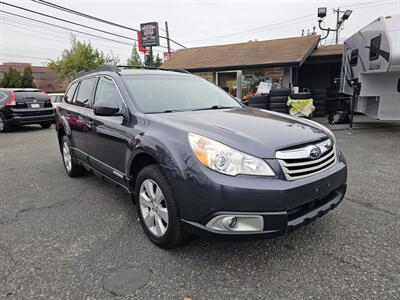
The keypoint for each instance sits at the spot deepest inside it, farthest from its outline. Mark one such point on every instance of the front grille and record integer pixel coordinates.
(298, 163)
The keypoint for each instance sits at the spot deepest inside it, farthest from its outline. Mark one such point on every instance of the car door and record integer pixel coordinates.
(76, 114)
(107, 136)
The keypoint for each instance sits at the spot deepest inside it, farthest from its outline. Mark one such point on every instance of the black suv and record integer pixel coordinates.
(23, 107)
(195, 159)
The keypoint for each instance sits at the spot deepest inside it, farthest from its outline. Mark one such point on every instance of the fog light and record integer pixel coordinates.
(229, 222)
(247, 223)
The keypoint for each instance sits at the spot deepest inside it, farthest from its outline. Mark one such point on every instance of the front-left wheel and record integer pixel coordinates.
(71, 167)
(157, 208)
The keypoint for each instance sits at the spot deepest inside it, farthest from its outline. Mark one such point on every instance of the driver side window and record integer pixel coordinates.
(107, 91)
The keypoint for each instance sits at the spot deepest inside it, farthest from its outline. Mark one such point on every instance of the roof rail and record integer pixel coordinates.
(110, 68)
(154, 68)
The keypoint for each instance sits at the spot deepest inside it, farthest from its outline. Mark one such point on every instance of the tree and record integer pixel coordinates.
(158, 61)
(12, 79)
(27, 78)
(134, 60)
(81, 56)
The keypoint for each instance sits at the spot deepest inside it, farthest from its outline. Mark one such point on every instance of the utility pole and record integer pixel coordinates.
(339, 21)
(337, 11)
(168, 44)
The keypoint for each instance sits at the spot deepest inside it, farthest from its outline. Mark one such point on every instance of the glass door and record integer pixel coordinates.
(229, 81)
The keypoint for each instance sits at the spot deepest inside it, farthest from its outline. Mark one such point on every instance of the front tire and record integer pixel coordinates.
(71, 167)
(157, 208)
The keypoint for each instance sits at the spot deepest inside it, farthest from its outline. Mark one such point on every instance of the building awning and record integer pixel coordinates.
(271, 53)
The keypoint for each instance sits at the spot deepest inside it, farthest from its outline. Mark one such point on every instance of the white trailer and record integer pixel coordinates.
(372, 57)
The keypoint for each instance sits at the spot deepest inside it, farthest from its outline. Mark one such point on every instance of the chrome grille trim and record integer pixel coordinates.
(293, 169)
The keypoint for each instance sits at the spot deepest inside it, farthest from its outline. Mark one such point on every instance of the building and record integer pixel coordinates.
(44, 78)
(239, 68)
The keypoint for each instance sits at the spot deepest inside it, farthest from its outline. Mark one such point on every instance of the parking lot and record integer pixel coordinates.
(62, 238)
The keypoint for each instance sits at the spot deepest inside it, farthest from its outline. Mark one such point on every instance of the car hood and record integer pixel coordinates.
(254, 131)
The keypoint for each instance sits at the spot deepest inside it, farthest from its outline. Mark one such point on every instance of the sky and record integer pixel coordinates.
(192, 23)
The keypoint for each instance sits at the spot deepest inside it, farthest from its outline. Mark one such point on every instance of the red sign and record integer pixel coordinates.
(167, 55)
(140, 46)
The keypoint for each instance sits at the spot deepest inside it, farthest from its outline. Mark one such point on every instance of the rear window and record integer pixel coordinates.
(30, 95)
(70, 94)
(85, 92)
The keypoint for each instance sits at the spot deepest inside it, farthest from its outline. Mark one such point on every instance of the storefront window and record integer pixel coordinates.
(206, 75)
(251, 79)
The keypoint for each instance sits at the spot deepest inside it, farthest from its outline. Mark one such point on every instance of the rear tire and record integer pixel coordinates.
(46, 124)
(3, 125)
(71, 167)
(154, 201)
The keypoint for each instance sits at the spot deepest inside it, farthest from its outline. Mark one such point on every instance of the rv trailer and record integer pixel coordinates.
(372, 58)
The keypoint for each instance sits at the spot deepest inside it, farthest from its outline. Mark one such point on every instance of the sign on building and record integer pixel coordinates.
(149, 34)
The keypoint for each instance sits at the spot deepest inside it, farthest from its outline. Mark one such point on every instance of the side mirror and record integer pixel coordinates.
(106, 108)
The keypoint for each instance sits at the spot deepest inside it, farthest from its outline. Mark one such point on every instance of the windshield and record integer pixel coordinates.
(166, 93)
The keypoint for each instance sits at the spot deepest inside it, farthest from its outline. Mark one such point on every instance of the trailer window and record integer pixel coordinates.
(375, 47)
(354, 58)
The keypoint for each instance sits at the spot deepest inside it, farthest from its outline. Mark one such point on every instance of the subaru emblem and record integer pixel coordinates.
(315, 153)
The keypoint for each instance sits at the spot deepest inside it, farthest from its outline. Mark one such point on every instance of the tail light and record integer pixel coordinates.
(13, 100)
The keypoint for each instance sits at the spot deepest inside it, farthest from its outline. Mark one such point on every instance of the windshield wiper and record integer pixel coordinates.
(214, 107)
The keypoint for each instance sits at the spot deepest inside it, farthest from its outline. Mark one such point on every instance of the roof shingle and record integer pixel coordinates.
(291, 51)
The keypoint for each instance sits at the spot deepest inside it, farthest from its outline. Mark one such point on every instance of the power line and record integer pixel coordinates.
(285, 23)
(68, 29)
(65, 9)
(65, 28)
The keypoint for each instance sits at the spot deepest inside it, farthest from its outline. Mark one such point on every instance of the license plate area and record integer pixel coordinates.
(35, 105)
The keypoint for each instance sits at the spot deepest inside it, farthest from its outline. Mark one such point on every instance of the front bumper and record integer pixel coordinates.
(275, 223)
(203, 194)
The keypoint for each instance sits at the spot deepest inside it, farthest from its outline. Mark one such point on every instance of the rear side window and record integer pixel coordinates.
(375, 47)
(354, 58)
(107, 91)
(85, 91)
(70, 94)
(398, 85)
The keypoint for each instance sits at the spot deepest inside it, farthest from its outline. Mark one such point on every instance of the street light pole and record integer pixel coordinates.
(168, 43)
(337, 25)
(339, 21)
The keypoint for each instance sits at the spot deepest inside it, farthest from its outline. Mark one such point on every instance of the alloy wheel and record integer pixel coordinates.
(153, 207)
(67, 156)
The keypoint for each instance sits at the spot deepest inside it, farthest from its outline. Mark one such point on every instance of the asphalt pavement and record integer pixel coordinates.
(65, 238)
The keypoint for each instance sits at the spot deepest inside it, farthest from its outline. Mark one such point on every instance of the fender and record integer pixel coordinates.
(62, 122)
(159, 151)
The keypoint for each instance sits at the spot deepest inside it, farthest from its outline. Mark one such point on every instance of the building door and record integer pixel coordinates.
(230, 82)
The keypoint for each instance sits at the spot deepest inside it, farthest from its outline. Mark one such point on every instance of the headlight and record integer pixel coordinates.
(227, 160)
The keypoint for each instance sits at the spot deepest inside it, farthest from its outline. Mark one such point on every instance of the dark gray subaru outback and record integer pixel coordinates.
(197, 161)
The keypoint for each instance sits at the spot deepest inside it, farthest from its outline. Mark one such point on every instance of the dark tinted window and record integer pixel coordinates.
(85, 91)
(29, 95)
(375, 47)
(107, 91)
(70, 94)
(354, 58)
(398, 85)
(159, 93)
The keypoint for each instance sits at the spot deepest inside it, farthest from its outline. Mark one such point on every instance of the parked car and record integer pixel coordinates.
(196, 160)
(56, 98)
(24, 106)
